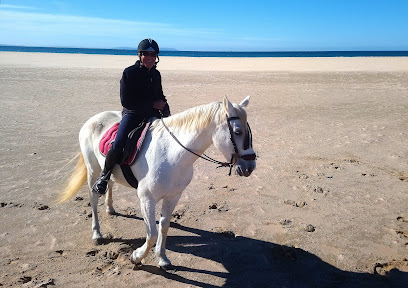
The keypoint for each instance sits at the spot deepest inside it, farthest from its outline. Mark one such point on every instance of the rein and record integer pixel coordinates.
(230, 164)
(205, 157)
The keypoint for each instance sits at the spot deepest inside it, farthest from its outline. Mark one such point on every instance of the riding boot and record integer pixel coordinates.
(101, 184)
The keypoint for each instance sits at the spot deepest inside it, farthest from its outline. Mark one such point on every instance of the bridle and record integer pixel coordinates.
(234, 157)
(247, 141)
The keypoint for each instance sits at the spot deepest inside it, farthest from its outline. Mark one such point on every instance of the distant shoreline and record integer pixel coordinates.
(176, 53)
(209, 64)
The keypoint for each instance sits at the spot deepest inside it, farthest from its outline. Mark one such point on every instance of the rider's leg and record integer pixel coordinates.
(112, 158)
(115, 153)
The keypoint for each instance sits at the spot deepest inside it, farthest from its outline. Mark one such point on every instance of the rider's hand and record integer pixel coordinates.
(159, 104)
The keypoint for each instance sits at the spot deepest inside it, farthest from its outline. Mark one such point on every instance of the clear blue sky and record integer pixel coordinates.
(281, 25)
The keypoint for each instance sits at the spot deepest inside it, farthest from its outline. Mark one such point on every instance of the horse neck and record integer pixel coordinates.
(194, 128)
(197, 140)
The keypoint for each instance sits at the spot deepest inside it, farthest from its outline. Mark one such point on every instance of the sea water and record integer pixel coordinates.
(209, 53)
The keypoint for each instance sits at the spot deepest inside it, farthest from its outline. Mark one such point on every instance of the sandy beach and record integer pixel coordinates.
(326, 206)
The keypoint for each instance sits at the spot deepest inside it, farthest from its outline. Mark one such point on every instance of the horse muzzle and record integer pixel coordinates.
(245, 165)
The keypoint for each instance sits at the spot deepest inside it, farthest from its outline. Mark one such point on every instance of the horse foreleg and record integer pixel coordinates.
(109, 200)
(164, 224)
(148, 208)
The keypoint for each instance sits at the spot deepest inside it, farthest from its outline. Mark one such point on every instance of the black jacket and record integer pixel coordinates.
(139, 88)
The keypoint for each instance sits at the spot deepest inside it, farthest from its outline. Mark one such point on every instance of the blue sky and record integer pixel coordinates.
(285, 25)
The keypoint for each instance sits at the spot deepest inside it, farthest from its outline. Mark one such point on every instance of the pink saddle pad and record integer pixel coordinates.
(109, 137)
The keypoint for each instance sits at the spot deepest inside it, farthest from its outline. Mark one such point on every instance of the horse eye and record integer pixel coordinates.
(238, 132)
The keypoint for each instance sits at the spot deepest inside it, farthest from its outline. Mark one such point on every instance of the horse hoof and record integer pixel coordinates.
(167, 267)
(97, 241)
(136, 263)
(110, 211)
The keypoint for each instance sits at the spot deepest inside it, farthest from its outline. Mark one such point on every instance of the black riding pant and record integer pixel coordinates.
(127, 124)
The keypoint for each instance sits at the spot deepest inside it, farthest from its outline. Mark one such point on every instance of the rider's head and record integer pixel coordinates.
(148, 51)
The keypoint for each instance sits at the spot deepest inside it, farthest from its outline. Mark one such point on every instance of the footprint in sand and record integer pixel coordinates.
(24, 279)
(92, 252)
(11, 204)
(403, 177)
(321, 190)
(310, 228)
(402, 219)
(384, 268)
(178, 214)
(40, 206)
(298, 204)
(402, 233)
(36, 282)
(285, 222)
(111, 255)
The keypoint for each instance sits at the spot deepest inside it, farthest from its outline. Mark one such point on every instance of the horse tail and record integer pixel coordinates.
(78, 178)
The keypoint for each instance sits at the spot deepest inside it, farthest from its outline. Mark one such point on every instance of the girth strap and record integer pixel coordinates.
(130, 178)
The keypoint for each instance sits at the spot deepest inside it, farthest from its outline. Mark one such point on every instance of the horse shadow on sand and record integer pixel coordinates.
(256, 263)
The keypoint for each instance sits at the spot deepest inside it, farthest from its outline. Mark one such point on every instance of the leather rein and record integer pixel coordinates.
(233, 156)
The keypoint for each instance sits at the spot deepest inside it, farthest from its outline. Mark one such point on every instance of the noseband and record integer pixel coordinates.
(234, 157)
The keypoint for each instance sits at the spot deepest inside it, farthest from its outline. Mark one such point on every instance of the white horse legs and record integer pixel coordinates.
(96, 233)
(108, 200)
(148, 210)
(164, 224)
(93, 199)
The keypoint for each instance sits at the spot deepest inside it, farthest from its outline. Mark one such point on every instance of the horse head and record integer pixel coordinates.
(234, 138)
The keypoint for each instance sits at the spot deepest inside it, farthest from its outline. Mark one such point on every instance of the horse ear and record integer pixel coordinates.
(245, 102)
(227, 106)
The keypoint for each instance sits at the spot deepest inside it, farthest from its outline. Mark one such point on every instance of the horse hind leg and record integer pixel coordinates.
(93, 197)
(93, 173)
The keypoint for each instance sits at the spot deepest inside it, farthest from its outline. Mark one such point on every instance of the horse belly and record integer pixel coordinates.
(165, 183)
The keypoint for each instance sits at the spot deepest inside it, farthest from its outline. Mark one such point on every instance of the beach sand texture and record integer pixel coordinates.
(326, 206)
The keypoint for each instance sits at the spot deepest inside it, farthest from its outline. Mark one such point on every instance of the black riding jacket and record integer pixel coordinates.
(139, 88)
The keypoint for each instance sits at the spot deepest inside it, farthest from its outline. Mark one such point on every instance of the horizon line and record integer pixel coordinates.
(205, 51)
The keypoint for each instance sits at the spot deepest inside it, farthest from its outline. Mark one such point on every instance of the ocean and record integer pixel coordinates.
(209, 53)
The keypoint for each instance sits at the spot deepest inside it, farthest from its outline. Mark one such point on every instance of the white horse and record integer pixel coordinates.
(164, 168)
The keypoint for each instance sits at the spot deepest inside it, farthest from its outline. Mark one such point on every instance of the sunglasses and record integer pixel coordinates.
(150, 54)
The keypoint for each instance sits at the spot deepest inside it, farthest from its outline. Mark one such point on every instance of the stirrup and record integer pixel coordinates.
(100, 186)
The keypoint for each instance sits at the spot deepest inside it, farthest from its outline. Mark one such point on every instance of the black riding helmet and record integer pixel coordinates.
(148, 45)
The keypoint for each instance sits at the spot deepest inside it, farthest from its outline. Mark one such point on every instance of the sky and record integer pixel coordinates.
(220, 25)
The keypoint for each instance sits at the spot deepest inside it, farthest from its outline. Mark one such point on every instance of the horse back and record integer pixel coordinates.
(97, 125)
(92, 132)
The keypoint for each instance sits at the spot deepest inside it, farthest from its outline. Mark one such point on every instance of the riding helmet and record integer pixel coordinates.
(148, 45)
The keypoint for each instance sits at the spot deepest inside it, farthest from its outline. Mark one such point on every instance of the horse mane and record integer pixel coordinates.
(192, 119)
(198, 117)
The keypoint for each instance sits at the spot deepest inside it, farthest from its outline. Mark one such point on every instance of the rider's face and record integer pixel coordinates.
(148, 59)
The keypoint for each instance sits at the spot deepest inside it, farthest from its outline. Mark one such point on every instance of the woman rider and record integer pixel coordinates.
(141, 96)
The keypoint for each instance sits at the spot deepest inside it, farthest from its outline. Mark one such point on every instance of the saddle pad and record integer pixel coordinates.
(109, 137)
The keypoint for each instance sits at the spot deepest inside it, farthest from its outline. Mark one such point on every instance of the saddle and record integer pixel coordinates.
(132, 148)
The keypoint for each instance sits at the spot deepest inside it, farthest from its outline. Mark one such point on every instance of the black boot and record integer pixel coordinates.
(101, 184)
